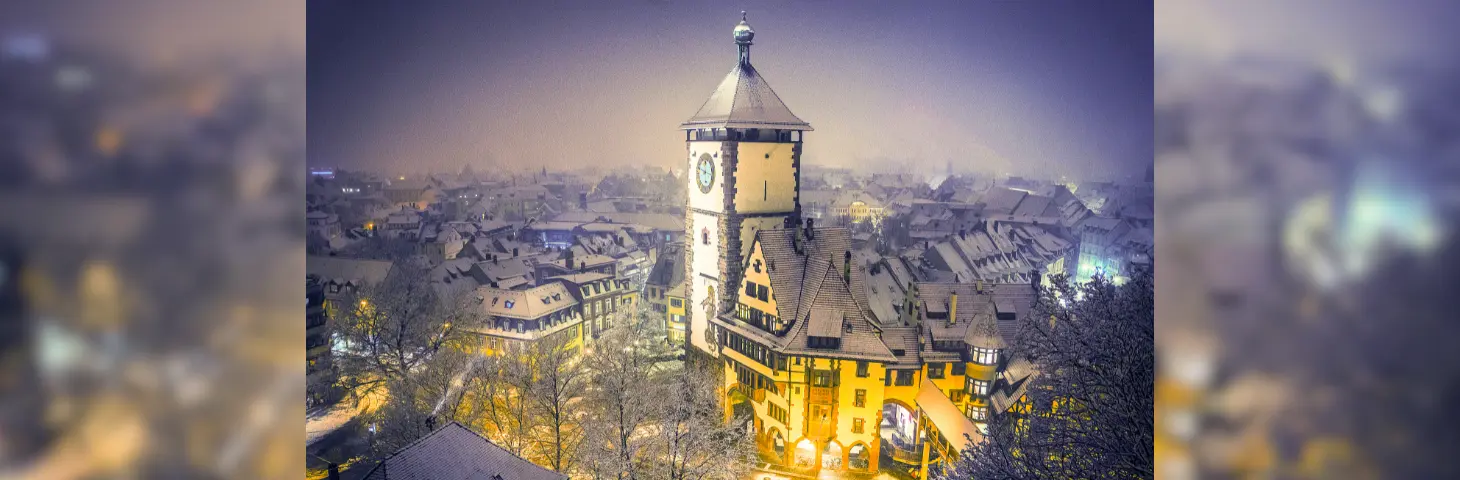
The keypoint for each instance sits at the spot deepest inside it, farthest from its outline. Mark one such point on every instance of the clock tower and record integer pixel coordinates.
(744, 163)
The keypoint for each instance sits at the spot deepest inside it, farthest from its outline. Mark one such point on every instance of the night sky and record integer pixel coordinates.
(1058, 87)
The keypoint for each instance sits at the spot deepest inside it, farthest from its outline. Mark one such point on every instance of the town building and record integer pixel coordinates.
(744, 159)
(318, 368)
(782, 308)
(664, 292)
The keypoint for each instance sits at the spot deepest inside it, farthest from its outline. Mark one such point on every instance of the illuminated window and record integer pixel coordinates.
(935, 370)
(980, 387)
(861, 398)
(509, 304)
(857, 425)
(985, 356)
(978, 413)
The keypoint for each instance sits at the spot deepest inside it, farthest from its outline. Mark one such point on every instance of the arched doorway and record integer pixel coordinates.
(859, 457)
(899, 433)
(778, 445)
(805, 454)
(831, 456)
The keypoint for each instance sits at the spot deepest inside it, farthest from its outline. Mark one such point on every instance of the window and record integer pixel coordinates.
(705, 235)
(857, 425)
(676, 303)
(959, 369)
(861, 369)
(981, 388)
(904, 378)
(861, 398)
(509, 303)
(820, 378)
(762, 293)
(978, 413)
(777, 413)
(749, 288)
(935, 370)
(985, 356)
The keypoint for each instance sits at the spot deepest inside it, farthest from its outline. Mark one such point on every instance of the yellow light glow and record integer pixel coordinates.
(108, 141)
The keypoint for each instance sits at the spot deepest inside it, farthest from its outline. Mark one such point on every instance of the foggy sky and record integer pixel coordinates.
(1021, 86)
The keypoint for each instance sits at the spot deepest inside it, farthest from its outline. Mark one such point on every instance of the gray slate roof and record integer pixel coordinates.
(744, 100)
(454, 452)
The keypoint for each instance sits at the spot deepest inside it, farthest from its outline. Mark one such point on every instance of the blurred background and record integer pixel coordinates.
(151, 151)
(151, 244)
(1307, 175)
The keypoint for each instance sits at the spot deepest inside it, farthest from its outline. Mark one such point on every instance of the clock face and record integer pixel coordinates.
(705, 172)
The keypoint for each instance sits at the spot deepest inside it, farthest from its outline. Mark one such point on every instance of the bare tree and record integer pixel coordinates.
(695, 443)
(625, 398)
(389, 330)
(1091, 405)
(432, 395)
(499, 403)
(555, 396)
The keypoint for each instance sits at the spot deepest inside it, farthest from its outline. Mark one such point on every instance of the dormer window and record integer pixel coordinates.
(508, 304)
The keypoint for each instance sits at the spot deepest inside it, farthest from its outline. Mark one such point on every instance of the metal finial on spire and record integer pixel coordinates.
(743, 38)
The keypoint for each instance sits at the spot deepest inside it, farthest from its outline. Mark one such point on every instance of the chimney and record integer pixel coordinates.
(1034, 279)
(952, 308)
(431, 423)
(334, 471)
(847, 267)
(810, 228)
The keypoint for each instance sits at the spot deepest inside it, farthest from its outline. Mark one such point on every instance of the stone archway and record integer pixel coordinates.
(805, 454)
(831, 456)
(898, 434)
(778, 445)
(859, 457)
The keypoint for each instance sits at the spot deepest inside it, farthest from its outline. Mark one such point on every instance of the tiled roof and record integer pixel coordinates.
(347, 269)
(668, 268)
(526, 304)
(744, 100)
(454, 452)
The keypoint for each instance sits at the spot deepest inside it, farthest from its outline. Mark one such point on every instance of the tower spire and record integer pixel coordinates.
(743, 36)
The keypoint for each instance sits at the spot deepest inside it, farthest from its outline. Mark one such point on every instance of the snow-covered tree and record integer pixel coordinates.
(695, 441)
(559, 384)
(1090, 407)
(388, 331)
(626, 397)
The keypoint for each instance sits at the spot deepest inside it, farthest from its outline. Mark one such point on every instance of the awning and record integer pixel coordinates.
(946, 417)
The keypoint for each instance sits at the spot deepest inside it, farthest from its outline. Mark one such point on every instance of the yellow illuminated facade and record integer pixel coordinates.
(833, 395)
